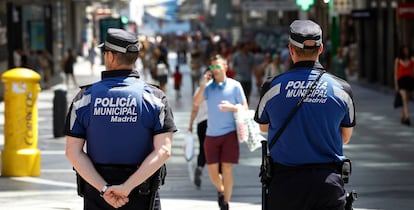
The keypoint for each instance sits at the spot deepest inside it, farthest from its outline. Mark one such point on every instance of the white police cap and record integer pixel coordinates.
(121, 41)
(305, 30)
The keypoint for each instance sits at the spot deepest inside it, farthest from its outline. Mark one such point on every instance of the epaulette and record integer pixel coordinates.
(154, 85)
(86, 86)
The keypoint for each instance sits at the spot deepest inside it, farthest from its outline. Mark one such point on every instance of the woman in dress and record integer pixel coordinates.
(404, 80)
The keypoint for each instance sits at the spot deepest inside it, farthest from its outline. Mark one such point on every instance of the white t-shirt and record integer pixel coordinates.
(202, 112)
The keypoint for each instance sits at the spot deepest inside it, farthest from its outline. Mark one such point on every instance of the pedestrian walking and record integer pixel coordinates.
(274, 68)
(339, 64)
(196, 61)
(68, 63)
(17, 57)
(404, 80)
(199, 116)
(127, 126)
(306, 143)
(223, 96)
(178, 78)
(260, 69)
(285, 58)
(162, 68)
(92, 56)
(45, 61)
(242, 63)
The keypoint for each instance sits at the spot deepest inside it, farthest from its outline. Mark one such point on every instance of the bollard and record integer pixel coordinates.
(59, 112)
(20, 155)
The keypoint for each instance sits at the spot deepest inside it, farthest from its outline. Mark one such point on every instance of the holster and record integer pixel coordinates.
(346, 170)
(266, 170)
(266, 167)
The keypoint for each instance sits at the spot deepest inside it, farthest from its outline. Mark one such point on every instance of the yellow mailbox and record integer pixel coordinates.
(20, 155)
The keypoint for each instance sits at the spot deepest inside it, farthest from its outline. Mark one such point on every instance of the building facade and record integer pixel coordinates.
(52, 25)
(372, 30)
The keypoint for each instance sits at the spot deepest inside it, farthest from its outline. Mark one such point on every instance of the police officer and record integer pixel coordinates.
(127, 126)
(307, 157)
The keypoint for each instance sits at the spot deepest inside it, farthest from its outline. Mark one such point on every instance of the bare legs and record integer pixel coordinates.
(223, 182)
(72, 77)
(405, 114)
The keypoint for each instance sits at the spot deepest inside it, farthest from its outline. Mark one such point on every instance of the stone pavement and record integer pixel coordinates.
(56, 189)
(381, 150)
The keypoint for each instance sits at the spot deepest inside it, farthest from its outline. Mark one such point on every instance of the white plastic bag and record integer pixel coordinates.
(162, 69)
(241, 126)
(248, 131)
(189, 146)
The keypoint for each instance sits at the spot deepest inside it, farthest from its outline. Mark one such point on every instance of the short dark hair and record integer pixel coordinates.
(401, 53)
(124, 58)
(305, 52)
(128, 58)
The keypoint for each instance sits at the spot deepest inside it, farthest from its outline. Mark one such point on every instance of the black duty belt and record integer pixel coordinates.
(118, 174)
(336, 167)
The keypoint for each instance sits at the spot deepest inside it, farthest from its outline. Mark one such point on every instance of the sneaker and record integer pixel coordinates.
(197, 176)
(220, 199)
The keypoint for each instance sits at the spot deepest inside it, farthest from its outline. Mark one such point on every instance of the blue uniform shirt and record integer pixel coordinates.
(313, 135)
(118, 117)
(219, 122)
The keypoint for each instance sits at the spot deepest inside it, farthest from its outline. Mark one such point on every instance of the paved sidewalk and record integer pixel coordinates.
(56, 189)
(381, 149)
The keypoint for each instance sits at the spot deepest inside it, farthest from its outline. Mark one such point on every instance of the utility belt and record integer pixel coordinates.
(118, 174)
(269, 168)
(277, 167)
(343, 168)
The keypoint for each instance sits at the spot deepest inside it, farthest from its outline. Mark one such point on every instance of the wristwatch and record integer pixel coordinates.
(104, 188)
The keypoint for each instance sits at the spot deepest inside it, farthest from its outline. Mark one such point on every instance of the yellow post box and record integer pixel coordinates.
(20, 155)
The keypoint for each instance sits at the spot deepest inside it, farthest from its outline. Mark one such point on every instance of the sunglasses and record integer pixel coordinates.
(214, 67)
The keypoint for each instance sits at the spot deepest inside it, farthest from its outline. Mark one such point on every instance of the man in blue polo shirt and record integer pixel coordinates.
(127, 126)
(223, 95)
(308, 154)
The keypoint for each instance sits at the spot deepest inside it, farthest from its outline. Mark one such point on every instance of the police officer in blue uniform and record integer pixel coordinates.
(307, 157)
(127, 126)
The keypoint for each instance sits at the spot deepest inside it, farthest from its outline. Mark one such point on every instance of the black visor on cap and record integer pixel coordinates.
(305, 30)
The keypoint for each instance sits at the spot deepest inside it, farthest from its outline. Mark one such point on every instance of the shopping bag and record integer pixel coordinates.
(397, 100)
(248, 131)
(241, 125)
(188, 146)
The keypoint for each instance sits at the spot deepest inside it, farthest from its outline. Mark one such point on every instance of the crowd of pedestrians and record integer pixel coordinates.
(242, 63)
(222, 76)
(245, 59)
(40, 61)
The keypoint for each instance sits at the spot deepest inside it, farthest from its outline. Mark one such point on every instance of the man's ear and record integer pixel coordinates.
(112, 58)
(291, 50)
(320, 49)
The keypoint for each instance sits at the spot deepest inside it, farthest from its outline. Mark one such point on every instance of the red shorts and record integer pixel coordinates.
(222, 149)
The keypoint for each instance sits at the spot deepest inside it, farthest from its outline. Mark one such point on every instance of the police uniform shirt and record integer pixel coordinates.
(118, 117)
(313, 135)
